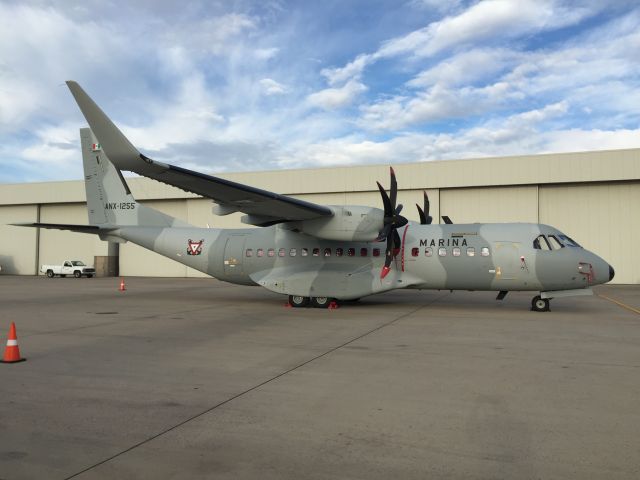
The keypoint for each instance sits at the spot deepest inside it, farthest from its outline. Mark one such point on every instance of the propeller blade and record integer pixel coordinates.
(384, 233)
(398, 209)
(388, 211)
(388, 257)
(400, 222)
(393, 189)
(423, 218)
(427, 205)
(397, 244)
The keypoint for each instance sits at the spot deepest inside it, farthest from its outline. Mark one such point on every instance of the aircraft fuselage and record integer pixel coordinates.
(494, 257)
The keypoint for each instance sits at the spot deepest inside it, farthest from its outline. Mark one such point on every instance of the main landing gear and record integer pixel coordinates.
(317, 302)
(539, 304)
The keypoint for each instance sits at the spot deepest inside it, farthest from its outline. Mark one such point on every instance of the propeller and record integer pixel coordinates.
(425, 219)
(392, 221)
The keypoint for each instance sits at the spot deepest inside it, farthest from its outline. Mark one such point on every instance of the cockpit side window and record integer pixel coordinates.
(540, 243)
(555, 243)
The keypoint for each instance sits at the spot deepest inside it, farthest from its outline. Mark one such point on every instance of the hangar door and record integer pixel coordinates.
(602, 218)
(490, 204)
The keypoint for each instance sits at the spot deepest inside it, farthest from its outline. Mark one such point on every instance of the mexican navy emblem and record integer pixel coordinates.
(194, 248)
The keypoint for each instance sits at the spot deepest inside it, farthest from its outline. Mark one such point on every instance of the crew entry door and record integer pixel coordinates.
(233, 255)
(508, 263)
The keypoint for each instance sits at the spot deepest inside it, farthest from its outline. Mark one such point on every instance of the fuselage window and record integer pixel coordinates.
(351, 252)
(316, 252)
(260, 252)
(376, 252)
(293, 252)
(484, 251)
(428, 252)
(555, 243)
(249, 252)
(271, 252)
(339, 252)
(327, 252)
(364, 252)
(442, 252)
(456, 251)
(281, 252)
(471, 252)
(415, 251)
(304, 252)
(540, 243)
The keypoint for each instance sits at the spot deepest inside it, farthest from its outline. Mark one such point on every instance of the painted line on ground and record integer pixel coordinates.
(620, 304)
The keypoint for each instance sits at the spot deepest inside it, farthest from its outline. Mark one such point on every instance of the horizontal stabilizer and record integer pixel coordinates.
(65, 226)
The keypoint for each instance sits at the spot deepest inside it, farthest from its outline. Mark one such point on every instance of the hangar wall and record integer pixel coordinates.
(591, 196)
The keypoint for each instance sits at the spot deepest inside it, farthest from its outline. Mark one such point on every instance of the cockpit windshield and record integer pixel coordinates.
(569, 242)
(554, 242)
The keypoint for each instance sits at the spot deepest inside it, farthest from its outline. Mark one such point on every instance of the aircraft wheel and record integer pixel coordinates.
(77, 274)
(50, 273)
(539, 304)
(321, 302)
(298, 301)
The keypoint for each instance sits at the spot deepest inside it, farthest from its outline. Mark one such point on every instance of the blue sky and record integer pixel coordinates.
(262, 85)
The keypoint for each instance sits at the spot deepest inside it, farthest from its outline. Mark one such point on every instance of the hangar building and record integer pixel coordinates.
(593, 197)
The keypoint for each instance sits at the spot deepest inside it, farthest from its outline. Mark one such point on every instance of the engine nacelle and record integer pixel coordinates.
(348, 223)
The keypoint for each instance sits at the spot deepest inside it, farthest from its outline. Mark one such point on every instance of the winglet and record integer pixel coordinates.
(117, 147)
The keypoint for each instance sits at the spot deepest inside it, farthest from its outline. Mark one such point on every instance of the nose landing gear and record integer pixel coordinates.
(539, 304)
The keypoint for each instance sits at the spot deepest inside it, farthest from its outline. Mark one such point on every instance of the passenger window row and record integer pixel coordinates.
(455, 251)
(315, 252)
(364, 252)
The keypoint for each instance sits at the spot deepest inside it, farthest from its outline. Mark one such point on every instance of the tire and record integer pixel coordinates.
(539, 304)
(77, 274)
(298, 301)
(63, 276)
(89, 276)
(50, 274)
(321, 302)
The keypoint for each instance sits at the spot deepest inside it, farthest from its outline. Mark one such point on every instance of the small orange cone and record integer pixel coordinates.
(122, 287)
(12, 352)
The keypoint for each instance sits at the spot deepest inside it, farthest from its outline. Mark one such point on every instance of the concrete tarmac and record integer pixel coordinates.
(195, 378)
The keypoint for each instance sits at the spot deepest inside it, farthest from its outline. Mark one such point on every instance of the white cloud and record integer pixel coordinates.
(271, 87)
(332, 98)
(352, 70)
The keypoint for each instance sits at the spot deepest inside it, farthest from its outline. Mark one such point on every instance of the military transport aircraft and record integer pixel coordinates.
(317, 254)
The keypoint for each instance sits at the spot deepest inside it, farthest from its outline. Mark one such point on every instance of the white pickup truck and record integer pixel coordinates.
(69, 267)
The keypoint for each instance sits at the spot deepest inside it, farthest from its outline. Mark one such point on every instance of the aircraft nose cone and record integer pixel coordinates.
(612, 273)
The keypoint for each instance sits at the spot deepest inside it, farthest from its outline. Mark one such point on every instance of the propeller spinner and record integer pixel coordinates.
(392, 221)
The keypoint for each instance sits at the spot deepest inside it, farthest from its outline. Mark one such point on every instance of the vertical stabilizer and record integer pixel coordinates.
(109, 200)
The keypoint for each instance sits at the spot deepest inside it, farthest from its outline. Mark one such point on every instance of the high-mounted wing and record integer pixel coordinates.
(263, 207)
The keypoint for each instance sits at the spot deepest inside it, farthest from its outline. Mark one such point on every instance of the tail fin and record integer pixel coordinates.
(109, 200)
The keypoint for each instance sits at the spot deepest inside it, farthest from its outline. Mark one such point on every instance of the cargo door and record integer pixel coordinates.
(233, 255)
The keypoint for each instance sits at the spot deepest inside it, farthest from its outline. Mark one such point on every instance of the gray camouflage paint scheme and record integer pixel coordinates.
(512, 264)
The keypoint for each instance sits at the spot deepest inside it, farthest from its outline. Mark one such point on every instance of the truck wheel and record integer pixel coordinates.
(89, 276)
(77, 274)
(50, 273)
(63, 276)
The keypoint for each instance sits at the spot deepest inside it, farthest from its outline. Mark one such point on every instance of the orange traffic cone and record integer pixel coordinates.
(122, 287)
(12, 352)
